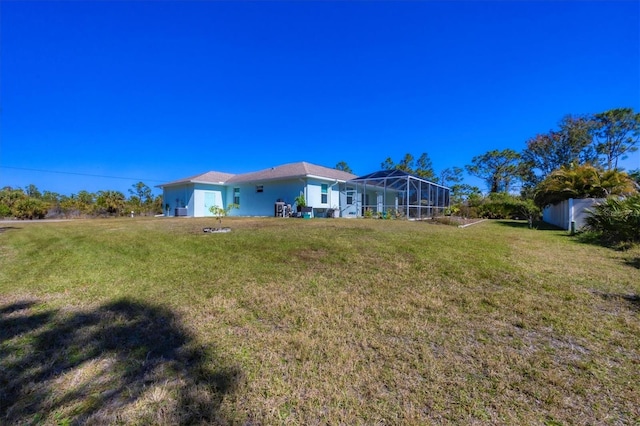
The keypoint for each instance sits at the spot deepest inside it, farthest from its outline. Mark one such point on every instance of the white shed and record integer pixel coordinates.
(566, 212)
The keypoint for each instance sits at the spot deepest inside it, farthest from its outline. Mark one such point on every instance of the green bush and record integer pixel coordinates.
(616, 221)
(30, 208)
(5, 211)
(505, 206)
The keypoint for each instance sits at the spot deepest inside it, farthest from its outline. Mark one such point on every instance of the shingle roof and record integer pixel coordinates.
(208, 177)
(285, 171)
(292, 170)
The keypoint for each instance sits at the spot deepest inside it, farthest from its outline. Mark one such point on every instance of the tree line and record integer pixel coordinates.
(594, 142)
(586, 144)
(31, 203)
(451, 177)
(577, 159)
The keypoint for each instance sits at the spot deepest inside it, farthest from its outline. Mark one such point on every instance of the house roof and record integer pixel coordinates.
(285, 171)
(208, 177)
(292, 170)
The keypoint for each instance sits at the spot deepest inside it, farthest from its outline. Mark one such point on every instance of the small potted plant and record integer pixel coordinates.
(300, 202)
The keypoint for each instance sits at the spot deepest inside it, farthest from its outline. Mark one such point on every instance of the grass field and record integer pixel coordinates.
(152, 321)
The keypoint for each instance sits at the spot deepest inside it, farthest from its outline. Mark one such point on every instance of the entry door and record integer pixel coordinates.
(211, 199)
(364, 203)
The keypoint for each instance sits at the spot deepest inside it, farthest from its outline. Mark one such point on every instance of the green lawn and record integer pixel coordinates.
(285, 321)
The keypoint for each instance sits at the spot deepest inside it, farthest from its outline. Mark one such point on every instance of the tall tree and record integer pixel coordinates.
(32, 191)
(142, 192)
(406, 164)
(424, 167)
(342, 165)
(617, 132)
(571, 144)
(388, 164)
(451, 176)
(461, 192)
(421, 167)
(497, 168)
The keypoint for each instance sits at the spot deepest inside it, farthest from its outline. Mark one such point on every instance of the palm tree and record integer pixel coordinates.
(585, 181)
(111, 201)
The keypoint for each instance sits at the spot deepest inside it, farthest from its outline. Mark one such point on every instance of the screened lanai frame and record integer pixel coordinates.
(399, 194)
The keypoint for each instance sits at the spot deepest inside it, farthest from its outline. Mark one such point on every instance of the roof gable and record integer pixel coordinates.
(292, 170)
(284, 171)
(208, 177)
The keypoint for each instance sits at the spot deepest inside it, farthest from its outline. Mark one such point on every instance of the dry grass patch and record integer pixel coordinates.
(320, 322)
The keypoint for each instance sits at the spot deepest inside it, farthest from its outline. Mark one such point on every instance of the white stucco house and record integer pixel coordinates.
(328, 192)
(257, 192)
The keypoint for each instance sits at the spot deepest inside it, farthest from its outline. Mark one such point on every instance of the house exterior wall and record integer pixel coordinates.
(567, 211)
(254, 203)
(197, 198)
(178, 196)
(206, 196)
(313, 196)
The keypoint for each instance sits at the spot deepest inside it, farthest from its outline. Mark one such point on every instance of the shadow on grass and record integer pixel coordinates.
(634, 262)
(633, 300)
(124, 362)
(523, 224)
(597, 239)
(6, 228)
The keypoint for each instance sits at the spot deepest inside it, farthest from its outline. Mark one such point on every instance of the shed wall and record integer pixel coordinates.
(567, 211)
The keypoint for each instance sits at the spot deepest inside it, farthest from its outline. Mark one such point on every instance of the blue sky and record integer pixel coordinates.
(157, 91)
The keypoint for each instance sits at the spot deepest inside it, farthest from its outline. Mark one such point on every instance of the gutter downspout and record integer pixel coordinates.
(331, 193)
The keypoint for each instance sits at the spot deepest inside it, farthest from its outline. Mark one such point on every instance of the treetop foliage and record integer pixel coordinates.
(342, 165)
(585, 181)
(497, 168)
(599, 140)
(616, 132)
(30, 203)
(422, 167)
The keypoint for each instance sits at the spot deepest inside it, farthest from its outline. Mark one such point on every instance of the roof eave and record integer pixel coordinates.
(326, 178)
(208, 182)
